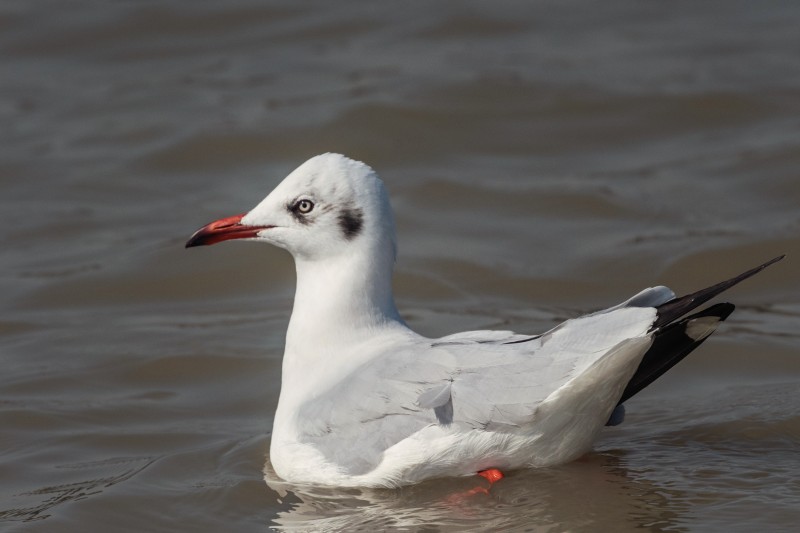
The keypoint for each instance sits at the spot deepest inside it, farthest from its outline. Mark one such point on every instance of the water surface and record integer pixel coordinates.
(544, 161)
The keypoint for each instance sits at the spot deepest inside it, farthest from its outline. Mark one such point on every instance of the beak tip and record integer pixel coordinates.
(196, 239)
(222, 230)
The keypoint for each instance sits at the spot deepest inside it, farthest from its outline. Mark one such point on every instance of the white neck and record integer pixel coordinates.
(338, 298)
(340, 303)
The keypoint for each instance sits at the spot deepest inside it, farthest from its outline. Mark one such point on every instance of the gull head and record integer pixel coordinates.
(330, 205)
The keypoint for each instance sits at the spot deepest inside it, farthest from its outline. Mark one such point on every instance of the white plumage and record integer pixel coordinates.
(365, 401)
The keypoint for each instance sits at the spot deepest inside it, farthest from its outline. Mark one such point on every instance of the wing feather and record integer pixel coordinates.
(474, 385)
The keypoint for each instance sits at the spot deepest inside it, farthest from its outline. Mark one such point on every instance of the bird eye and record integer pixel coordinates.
(304, 206)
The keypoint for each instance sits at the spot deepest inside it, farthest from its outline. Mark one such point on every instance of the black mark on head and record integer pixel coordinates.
(351, 221)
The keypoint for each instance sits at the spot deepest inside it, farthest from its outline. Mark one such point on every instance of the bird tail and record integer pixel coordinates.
(674, 339)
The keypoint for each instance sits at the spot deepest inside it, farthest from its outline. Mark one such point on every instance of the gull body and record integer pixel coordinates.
(366, 401)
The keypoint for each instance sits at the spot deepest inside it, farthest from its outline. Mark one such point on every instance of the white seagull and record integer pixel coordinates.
(365, 401)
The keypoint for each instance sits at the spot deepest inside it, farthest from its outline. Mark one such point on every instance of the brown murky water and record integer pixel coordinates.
(544, 160)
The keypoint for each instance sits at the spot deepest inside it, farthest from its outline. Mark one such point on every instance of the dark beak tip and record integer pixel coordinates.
(217, 231)
(195, 240)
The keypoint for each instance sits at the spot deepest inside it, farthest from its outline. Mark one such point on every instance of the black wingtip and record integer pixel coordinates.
(671, 345)
(677, 307)
(674, 339)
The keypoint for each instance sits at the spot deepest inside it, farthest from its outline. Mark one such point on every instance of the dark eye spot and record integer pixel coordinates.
(351, 221)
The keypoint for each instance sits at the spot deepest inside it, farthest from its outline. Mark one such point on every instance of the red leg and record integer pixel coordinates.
(491, 474)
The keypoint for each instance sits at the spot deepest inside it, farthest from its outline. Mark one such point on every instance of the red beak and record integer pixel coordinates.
(224, 229)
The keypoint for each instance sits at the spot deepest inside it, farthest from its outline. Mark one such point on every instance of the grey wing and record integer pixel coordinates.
(496, 385)
(374, 408)
(500, 387)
